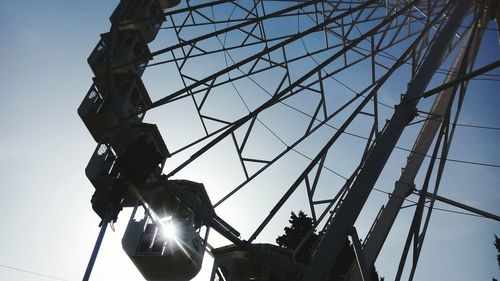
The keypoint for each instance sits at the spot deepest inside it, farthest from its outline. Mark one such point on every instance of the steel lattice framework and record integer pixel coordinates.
(322, 90)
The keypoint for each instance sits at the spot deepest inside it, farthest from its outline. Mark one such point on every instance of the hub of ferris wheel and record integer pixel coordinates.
(167, 234)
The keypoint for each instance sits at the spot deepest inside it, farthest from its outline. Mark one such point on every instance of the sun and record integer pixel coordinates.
(169, 229)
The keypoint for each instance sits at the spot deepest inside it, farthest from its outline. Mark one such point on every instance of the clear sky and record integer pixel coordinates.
(49, 227)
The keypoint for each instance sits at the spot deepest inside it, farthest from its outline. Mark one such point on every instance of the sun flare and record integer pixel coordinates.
(169, 229)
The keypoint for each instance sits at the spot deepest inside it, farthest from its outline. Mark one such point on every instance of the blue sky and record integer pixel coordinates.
(49, 226)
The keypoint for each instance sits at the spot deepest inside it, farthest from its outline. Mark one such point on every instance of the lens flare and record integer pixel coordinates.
(170, 230)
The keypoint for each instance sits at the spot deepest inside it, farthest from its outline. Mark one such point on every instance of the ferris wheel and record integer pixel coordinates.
(215, 119)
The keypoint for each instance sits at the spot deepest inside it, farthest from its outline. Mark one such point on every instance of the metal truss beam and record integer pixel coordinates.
(461, 206)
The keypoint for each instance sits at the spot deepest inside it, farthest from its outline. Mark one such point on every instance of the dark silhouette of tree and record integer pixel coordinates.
(299, 227)
(497, 245)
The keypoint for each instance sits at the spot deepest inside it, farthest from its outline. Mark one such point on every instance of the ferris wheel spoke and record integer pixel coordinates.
(462, 78)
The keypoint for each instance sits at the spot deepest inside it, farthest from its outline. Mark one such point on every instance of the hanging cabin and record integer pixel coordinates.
(110, 188)
(124, 49)
(107, 104)
(112, 173)
(166, 4)
(164, 238)
(143, 16)
(259, 262)
(122, 52)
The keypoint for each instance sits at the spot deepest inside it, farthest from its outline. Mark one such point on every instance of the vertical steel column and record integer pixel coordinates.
(404, 186)
(98, 242)
(347, 214)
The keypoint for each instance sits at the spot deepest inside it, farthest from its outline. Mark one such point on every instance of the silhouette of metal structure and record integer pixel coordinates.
(330, 62)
